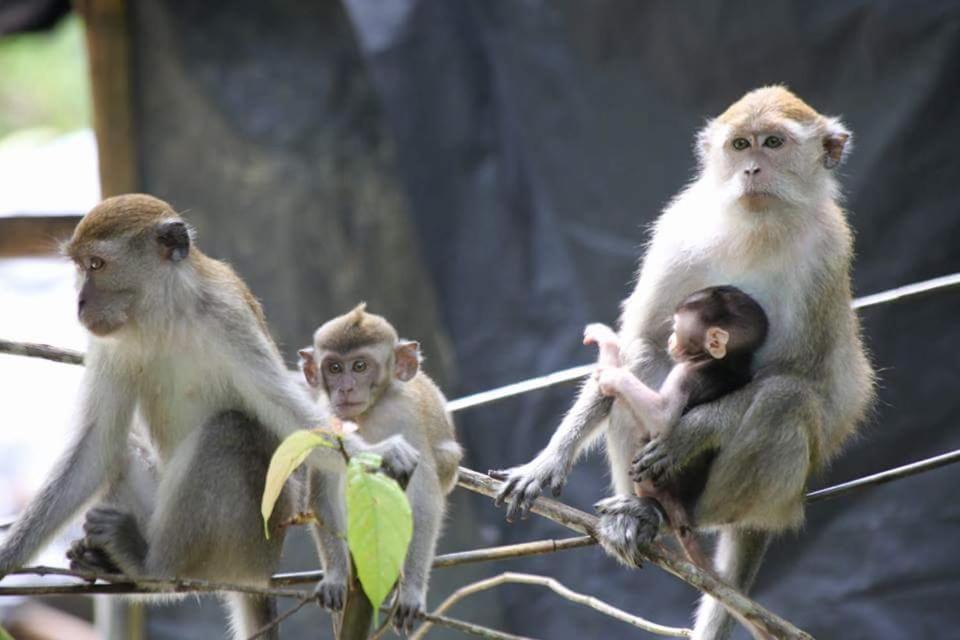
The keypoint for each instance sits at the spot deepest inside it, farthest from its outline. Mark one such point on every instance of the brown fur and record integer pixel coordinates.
(774, 101)
(353, 330)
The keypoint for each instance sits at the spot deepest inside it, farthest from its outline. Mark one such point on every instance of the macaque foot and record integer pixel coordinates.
(83, 557)
(331, 593)
(655, 462)
(523, 485)
(410, 607)
(400, 459)
(628, 523)
(115, 535)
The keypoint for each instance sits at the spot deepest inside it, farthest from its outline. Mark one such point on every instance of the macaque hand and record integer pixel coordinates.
(627, 524)
(331, 592)
(411, 605)
(400, 459)
(611, 380)
(523, 485)
(658, 462)
(607, 342)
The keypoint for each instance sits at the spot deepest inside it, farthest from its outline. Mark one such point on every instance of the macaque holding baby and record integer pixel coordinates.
(716, 331)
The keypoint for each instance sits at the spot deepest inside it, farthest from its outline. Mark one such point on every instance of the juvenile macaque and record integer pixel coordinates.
(762, 215)
(372, 378)
(716, 331)
(178, 339)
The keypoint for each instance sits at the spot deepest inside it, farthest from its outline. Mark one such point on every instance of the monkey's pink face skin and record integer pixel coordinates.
(351, 382)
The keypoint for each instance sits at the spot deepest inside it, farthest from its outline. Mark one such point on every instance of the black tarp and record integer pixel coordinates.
(521, 148)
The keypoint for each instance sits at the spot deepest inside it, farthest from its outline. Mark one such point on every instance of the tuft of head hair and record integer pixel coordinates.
(122, 215)
(730, 309)
(354, 330)
(775, 100)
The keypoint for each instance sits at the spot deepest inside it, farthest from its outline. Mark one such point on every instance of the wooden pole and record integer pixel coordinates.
(111, 78)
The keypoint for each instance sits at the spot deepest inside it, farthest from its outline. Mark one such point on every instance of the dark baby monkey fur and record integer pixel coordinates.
(716, 332)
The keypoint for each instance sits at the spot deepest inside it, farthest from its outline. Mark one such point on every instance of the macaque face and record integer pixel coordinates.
(352, 381)
(114, 274)
(690, 338)
(106, 290)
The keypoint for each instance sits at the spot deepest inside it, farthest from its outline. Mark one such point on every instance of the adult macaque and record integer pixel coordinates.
(177, 338)
(716, 331)
(373, 378)
(763, 216)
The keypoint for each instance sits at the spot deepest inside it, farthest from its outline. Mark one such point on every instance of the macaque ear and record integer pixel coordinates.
(407, 355)
(308, 364)
(174, 239)
(717, 340)
(836, 144)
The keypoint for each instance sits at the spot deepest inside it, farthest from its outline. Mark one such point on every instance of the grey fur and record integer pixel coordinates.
(812, 385)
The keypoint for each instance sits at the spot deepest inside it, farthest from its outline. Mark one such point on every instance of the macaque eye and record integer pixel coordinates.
(740, 143)
(359, 366)
(95, 263)
(773, 142)
(335, 367)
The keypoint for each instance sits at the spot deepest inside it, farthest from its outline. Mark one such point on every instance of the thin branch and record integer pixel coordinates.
(265, 629)
(504, 552)
(596, 604)
(742, 607)
(45, 351)
(471, 628)
(117, 583)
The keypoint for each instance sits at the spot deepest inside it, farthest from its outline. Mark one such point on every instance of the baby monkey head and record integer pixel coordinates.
(716, 322)
(355, 358)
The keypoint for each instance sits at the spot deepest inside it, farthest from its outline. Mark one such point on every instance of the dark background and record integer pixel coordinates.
(483, 172)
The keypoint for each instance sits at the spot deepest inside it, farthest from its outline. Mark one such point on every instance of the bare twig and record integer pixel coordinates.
(504, 552)
(742, 607)
(596, 604)
(472, 629)
(45, 351)
(283, 616)
(117, 583)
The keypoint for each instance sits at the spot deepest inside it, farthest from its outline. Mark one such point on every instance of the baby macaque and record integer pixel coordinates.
(716, 331)
(373, 378)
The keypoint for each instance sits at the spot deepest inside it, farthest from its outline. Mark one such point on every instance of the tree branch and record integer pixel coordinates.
(596, 604)
(118, 583)
(742, 607)
(45, 351)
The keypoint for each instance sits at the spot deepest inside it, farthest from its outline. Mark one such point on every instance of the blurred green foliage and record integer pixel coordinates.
(44, 80)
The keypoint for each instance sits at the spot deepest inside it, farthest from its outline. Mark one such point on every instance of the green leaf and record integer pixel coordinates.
(5, 635)
(288, 456)
(379, 527)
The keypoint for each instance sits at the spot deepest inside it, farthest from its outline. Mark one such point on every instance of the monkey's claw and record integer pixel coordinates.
(84, 557)
(523, 485)
(627, 523)
(410, 608)
(331, 594)
(654, 462)
(400, 459)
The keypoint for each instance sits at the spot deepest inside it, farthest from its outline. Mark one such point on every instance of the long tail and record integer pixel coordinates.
(738, 557)
(249, 614)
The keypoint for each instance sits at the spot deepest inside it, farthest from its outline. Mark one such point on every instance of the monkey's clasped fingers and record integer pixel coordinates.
(654, 463)
(409, 610)
(331, 594)
(399, 459)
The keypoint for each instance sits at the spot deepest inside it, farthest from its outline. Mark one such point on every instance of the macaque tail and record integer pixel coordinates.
(736, 561)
